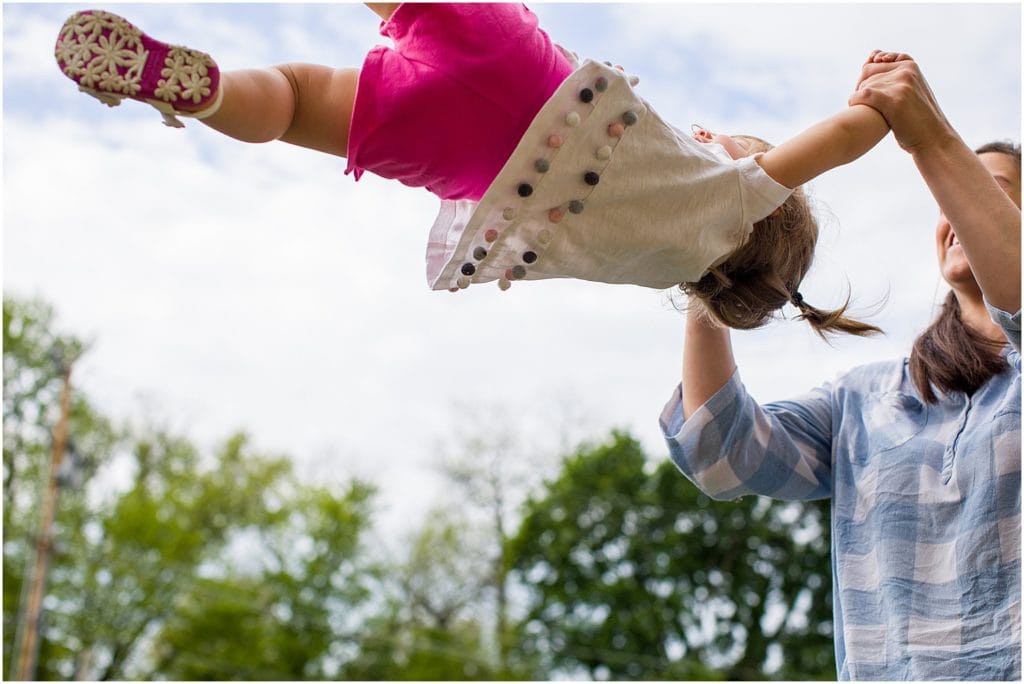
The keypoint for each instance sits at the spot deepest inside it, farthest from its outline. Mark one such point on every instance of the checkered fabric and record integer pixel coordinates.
(925, 507)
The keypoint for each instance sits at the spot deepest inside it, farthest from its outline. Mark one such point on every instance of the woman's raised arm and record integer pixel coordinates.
(708, 362)
(986, 221)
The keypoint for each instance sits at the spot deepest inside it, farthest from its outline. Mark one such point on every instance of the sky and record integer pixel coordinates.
(226, 286)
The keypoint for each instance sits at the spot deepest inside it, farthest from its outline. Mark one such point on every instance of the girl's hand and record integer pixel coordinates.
(892, 83)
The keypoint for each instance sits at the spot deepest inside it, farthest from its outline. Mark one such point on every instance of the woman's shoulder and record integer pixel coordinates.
(891, 375)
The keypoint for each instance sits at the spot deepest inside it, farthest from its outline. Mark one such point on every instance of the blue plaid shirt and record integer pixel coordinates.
(925, 507)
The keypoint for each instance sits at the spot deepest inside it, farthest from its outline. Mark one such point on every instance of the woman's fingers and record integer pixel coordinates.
(879, 62)
(898, 91)
(885, 56)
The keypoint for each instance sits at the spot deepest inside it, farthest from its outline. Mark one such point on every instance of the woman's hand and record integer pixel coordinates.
(892, 83)
(986, 221)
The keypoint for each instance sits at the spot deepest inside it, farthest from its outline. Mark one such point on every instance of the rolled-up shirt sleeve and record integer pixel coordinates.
(1009, 322)
(732, 446)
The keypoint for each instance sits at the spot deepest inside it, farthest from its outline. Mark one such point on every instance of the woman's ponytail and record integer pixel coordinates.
(950, 356)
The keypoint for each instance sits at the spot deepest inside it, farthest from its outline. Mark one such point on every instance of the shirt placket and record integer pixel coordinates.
(949, 455)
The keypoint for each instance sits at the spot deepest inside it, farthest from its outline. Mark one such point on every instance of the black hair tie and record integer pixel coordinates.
(797, 299)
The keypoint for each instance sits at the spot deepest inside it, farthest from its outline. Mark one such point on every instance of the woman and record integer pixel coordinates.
(920, 457)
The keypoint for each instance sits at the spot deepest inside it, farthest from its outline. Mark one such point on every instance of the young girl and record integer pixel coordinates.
(546, 167)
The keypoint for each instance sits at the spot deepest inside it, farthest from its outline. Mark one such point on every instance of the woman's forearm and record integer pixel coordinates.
(730, 451)
(708, 362)
(984, 218)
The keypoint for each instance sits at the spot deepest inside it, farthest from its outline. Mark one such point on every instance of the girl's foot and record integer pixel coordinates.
(111, 59)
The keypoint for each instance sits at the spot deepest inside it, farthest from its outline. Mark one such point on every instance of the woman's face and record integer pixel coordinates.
(952, 260)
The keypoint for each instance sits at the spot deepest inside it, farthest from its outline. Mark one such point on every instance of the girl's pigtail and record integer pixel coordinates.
(833, 322)
(754, 282)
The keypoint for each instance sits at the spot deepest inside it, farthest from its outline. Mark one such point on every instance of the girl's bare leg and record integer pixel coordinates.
(302, 104)
(383, 9)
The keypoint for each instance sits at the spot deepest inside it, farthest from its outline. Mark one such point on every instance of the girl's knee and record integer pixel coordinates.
(288, 72)
(322, 98)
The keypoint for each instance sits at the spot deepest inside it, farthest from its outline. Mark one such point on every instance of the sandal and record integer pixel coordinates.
(111, 60)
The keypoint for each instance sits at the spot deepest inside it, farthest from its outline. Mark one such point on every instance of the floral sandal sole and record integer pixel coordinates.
(111, 59)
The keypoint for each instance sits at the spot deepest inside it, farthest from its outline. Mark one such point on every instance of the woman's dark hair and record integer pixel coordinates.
(950, 356)
(747, 289)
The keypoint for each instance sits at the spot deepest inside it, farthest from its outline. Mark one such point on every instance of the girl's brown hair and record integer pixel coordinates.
(950, 356)
(747, 289)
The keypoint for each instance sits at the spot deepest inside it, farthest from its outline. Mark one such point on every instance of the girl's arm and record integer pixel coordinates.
(985, 219)
(835, 141)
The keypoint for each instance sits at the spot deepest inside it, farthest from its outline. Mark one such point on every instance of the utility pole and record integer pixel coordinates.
(26, 640)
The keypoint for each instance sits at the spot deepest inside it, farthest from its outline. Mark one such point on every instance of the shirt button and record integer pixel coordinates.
(525, 189)
(591, 178)
(576, 207)
(468, 269)
(529, 257)
(491, 235)
(542, 165)
(586, 95)
(479, 253)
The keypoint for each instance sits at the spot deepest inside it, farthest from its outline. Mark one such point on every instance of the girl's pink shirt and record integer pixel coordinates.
(445, 108)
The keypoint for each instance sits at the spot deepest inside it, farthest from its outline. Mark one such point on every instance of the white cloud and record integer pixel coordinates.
(23, 58)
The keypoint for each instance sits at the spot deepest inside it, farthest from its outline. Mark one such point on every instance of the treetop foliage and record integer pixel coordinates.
(227, 565)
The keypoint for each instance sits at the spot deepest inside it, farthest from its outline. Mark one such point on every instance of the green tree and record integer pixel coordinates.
(432, 625)
(145, 577)
(289, 618)
(132, 556)
(34, 358)
(632, 573)
(490, 471)
(33, 355)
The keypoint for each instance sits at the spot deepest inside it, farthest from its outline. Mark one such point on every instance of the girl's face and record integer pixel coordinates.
(737, 148)
(952, 261)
